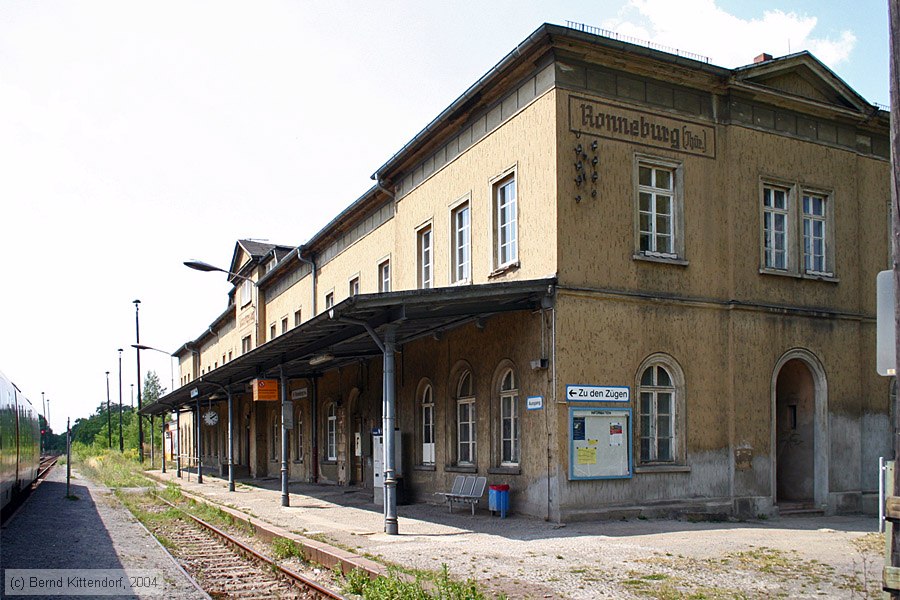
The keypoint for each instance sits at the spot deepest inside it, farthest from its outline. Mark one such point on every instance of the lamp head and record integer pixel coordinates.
(199, 265)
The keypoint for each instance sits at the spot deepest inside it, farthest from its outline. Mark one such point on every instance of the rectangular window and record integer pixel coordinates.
(424, 254)
(298, 318)
(246, 345)
(354, 286)
(229, 356)
(461, 237)
(284, 323)
(298, 436)
(797, 231)
(329, 300)
(272, 331)
(246, 292)
(331, 433)
(814, 221)
(775, 227)
(384, 276)
(466, 431)
(656, 208)
(505, 222)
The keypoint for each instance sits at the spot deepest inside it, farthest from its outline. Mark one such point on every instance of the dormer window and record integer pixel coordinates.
(246, 292)
(270, 265)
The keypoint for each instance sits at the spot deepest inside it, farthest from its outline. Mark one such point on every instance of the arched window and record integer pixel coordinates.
(427, 406)
(509, 420)
(465, 420)
(658, 402)
(331, 432)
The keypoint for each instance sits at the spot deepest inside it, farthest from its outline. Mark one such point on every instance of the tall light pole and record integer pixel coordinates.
(137, 333)
(108, 415)
(171, 368)
(132, 397)
(121, 439)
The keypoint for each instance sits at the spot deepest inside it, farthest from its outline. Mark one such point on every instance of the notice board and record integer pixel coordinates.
(599, 443)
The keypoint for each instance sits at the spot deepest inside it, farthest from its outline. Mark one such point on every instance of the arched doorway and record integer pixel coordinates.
(800, 440)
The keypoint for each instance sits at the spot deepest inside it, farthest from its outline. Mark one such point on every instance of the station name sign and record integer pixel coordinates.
(648, 129)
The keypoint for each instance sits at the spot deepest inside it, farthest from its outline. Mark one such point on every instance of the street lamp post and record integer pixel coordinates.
(132, 396)
(137, 331)
(121, 439)
(108, 415)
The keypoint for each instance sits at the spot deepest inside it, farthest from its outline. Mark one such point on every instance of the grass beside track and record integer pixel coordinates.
(119, 472)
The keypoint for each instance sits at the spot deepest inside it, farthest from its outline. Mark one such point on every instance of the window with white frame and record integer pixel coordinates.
(465, 420)
(329, 300)
(658, 209)
(509, 420)
(461, 239)
(506, 236)
(284, 324)
(384, 276)
(661, 403)
(797, 230)
(273, 331)
(814, 225)
(424, 257)
(354, 286)
(298, 317)
(246, 345)
(427, 407)
(246, 292)
(776, 235)
(331, 432)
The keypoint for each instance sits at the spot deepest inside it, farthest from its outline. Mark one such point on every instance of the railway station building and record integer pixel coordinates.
(621, 280)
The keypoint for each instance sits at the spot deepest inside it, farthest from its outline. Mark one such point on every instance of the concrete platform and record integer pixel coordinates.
(94, 531)
(524, 557)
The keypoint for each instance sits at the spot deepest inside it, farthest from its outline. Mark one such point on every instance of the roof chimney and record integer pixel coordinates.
(762, 58)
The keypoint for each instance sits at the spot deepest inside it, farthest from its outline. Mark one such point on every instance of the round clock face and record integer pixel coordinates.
(210, 417)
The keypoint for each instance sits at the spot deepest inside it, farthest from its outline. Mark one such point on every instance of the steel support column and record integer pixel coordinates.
(162, 447)
(389, 419)
(178, 452)
(199, 459)
(285, 495)
(230, 440)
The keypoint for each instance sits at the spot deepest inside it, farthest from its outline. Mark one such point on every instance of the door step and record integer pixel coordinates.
(799, 509)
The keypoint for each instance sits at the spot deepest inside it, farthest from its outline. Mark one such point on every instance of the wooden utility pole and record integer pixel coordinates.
(894, 45)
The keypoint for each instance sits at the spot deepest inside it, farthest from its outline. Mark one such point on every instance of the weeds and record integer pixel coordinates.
(287, 548)
(394, 587)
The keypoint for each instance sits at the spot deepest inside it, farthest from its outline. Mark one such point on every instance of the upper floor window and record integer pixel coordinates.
(284, 324)
(461, 237)
(329, 300)
(797, 236)
(659, 209)
(814, 237)
(384, 276)
(270, 265)
(272, 331)
(424, 257)
(298, 317)
(246, 345)
(354, 286)
(505, 222)
(775, 227)
(246, 292)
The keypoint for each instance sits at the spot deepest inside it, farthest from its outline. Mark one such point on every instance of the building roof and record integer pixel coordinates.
(340, 334)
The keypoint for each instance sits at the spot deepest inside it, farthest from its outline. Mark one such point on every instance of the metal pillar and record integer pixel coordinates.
(108, 414)
(199, 459)
(151, 441)
(314, 429)
(285, 494)
(178, 453)
(140, 418)
(389, 418)
(230, 441)
(121, 439)
(162, 445)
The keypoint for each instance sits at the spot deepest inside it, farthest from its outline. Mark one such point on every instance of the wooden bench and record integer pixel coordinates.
(465, 490)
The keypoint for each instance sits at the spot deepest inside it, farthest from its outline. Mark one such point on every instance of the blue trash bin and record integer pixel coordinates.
(498, 499)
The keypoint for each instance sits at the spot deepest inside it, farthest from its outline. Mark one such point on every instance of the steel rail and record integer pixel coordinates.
(251, 553)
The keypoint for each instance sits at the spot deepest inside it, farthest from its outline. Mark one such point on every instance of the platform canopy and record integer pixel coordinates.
(340, 336)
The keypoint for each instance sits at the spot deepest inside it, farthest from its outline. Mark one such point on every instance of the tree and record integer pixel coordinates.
(153, 390)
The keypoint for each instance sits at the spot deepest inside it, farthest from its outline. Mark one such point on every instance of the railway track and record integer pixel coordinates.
(227, 568)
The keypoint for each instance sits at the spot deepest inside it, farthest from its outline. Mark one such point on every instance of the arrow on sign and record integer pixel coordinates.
(573, 393)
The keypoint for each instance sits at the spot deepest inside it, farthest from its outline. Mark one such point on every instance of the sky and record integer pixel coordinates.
(137, 135)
